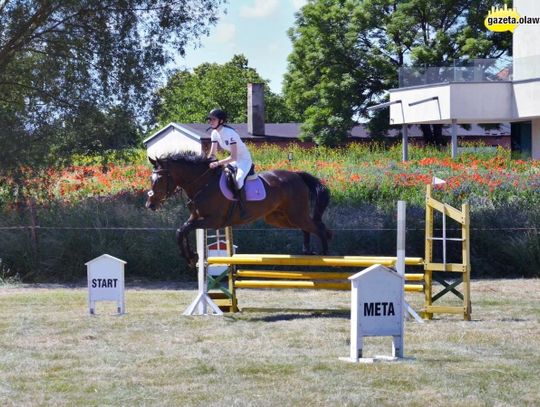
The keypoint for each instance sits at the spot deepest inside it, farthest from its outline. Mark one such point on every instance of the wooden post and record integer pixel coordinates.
(466, 259)
(428, 256)
(33, 226)
(230, 252)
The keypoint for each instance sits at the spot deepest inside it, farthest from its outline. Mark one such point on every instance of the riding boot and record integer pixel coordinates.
(241, 197)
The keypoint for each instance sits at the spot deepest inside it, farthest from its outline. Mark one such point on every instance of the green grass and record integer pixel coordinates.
(54, 353)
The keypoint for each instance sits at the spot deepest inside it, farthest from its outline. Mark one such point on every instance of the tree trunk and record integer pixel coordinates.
(432, 134)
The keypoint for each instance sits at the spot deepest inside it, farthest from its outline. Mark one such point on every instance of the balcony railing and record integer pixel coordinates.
(478, 70)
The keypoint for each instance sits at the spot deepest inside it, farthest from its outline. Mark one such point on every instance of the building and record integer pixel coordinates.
(512, 95)
(195, 137)
(176, 137)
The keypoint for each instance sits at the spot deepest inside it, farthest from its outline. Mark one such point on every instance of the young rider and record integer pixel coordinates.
(229, 140)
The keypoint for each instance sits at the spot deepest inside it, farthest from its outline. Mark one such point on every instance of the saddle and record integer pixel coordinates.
(253, 185)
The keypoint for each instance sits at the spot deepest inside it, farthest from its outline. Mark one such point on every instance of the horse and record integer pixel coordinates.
(286, 205)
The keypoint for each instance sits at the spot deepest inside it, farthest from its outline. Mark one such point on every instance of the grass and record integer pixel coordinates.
(54, 353)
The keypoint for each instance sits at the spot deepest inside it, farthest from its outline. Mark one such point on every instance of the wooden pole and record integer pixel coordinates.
(466, 258)
(33, 227)
(230, 252)
(428, 256)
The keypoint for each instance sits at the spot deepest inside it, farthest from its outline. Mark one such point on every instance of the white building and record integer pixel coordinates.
(516, 100)
(173, 138)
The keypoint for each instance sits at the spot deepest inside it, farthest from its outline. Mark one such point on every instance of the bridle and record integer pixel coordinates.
(169, 192)
(162, 171)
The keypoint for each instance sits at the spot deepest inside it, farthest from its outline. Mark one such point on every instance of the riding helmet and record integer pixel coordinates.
(218, 114)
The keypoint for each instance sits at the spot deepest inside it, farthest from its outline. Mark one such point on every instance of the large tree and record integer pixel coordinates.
(78, 75)
(189, 96)
(346, 53)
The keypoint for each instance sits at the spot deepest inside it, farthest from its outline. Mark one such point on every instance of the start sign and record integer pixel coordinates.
(376, 308)
(106, 282)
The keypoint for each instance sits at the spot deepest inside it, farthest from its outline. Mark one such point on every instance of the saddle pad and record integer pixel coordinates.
(255, 190)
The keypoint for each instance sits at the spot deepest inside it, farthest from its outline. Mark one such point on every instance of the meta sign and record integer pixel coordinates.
(106, 282)
(376, 308)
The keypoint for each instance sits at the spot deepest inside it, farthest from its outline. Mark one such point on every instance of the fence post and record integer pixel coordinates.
(33, 226)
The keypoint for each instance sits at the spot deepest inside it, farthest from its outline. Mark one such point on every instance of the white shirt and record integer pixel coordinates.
(227, 136)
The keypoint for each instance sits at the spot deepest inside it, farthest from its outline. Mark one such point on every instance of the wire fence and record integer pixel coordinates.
(168, 229)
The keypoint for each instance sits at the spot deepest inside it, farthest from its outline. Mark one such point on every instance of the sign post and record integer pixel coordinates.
(106, 282)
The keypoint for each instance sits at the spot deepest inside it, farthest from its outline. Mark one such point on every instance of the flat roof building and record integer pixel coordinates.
(458, 95)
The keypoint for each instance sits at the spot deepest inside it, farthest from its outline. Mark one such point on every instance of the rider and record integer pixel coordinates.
(229, 140)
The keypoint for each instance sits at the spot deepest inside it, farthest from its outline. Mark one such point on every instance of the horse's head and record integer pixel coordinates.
(162, 187)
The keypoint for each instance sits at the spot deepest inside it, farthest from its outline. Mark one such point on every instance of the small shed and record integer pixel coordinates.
(171, 139)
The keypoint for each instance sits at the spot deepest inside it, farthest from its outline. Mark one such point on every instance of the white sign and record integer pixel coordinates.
(106, 282)
(376, 308)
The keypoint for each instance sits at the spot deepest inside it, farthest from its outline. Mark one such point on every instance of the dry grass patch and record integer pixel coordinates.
(54, 353)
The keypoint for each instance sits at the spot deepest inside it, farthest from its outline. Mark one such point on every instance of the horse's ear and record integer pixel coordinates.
(152, 161)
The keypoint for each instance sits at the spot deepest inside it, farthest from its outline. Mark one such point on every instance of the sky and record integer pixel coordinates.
(255, 28)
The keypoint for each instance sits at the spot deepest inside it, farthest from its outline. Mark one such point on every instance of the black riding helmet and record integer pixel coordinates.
(218, 114)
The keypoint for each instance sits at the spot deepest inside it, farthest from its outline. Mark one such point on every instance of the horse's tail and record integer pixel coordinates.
(319, 193)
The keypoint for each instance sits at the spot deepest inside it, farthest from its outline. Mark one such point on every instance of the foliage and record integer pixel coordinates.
(346, 54)
(77, 75)
(189, 96)
(358, 173)
(97, 206)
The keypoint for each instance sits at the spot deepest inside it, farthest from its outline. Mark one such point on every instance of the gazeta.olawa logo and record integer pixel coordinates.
(506, 19)
(502, 19)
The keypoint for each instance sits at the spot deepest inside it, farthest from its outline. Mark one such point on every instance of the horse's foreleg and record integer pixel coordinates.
(182, 239)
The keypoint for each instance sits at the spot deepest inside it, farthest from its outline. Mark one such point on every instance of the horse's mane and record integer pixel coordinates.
(187, 157)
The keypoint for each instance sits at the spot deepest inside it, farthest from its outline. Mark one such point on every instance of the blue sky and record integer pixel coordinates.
(255, 28)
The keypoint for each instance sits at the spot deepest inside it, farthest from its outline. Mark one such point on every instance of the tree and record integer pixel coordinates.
(69, 69)
(346, 53)
(189, 96)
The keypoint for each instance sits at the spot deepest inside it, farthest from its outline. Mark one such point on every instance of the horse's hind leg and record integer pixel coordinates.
(306, 249)
(281, 220)
(308, 225)
(323, 234)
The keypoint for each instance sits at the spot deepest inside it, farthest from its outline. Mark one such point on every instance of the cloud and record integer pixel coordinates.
(260, 9)
(298, 4)
(225, 32)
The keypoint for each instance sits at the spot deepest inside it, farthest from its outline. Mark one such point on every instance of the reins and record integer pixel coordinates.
(198, 178)
(168, 172)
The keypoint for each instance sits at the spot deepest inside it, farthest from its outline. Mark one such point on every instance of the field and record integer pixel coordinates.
(54, 353)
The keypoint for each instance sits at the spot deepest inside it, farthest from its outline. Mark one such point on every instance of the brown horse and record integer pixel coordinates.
(287, 202)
